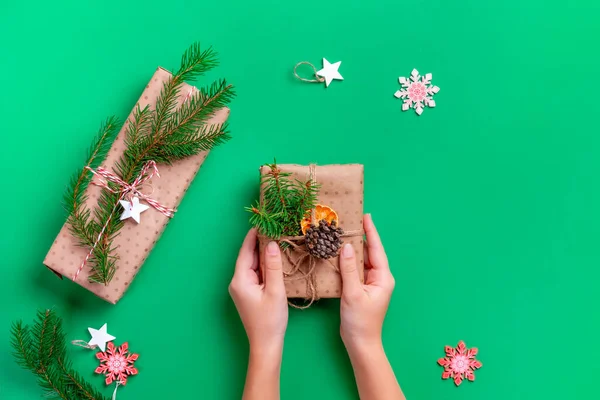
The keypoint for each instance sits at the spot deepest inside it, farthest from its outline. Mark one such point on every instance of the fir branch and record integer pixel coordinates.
(82, 228)
(196, 62)
(41, 342)
(267, 224)
(137, 128)
(305, 201)
(284, 204)
(75, 194)
(78, 385)
(177, 147)
(278, 188)
(41, 349)
(74, 198)
(21, 343)
(165, 134)
(192, 115)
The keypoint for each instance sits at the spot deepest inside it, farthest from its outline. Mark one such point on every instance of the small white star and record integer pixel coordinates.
(330, 71)
(100, 337)
(133, 209)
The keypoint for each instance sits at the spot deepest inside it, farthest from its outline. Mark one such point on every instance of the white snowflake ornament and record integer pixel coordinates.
(417, 92)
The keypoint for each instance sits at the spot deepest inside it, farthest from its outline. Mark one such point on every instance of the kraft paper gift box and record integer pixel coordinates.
(341, 189)
(134, 241)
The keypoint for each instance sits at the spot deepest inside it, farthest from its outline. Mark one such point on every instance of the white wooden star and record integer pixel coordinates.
(133, 209)
(330, 71)
(100, 337)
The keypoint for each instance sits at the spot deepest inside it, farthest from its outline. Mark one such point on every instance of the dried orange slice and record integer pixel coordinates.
(321, 212)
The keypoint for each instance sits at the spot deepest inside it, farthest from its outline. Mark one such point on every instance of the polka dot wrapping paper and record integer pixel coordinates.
(342, 190)
(135, 241)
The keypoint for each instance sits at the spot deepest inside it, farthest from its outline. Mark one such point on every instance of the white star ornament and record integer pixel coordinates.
(330, 71)
(100, 337)
(133, 209)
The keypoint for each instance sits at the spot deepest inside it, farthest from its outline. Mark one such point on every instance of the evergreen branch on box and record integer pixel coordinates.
(75, 195)
(41, 349)
(284, 204)
(164, 134)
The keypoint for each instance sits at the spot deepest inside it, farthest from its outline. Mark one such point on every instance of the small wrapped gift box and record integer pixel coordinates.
(341, 189)
(135, 241)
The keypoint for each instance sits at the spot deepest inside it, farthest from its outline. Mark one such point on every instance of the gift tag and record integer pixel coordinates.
(417, 92)
(328, 73)
(132, 209)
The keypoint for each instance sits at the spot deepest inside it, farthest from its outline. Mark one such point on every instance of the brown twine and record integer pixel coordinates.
(318, 80)
(297, 266)
(84, 344)
(310, 274)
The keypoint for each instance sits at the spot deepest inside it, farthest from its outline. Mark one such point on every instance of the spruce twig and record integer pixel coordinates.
(164, 134)
(41, 349)
(74, 197)
(285, 203)
(75, 194)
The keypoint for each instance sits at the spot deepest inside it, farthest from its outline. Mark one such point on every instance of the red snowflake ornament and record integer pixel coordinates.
(459, 363)
(116, 364)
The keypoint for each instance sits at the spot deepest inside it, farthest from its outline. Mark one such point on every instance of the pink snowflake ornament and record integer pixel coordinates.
(116, 363)
(417, 92)
(459, 363)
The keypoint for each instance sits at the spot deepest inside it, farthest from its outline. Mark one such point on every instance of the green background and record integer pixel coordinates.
(488, 204)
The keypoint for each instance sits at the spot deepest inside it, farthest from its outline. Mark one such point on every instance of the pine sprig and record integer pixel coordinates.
(196, 62)
(181, 146)
(75, 194)
(164, 134)
(284, 203)
(41, 349)
(268, 224)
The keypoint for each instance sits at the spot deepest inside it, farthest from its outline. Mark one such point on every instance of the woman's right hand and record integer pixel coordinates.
(364, 306)
(363, 309)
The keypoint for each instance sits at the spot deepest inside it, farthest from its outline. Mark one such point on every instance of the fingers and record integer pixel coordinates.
(377, 257)
(246, 257)
(273, 269)
(351, 285)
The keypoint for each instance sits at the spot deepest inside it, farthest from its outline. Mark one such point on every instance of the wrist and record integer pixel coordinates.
(359, 347)
(266, 350)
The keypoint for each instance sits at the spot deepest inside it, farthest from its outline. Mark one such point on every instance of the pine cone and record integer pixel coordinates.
(323, 241)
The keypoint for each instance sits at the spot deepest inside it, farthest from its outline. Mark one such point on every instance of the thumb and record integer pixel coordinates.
(273, 269)
(351, 284)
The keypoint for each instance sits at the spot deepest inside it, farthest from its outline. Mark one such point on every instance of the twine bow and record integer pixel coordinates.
(132, 190)
(304, 267)
(125, 189)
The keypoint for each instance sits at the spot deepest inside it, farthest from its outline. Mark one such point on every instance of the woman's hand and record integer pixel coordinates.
(263, 306)
(363, 309)
(363, 306)
(263, 309)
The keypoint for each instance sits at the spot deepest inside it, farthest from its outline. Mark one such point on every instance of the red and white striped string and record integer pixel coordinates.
(125, 189)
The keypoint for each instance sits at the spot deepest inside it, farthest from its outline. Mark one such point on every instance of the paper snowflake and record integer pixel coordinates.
(459, 363)
(417, 92)
(116, 364)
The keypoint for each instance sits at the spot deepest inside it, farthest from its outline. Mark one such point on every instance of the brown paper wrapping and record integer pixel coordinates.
(342, 190)
(134, 242)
